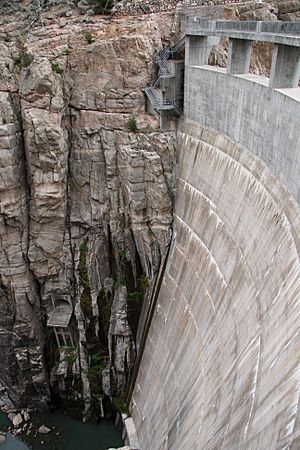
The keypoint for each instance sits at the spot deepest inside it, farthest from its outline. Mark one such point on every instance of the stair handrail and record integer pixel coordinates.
(178, 46)
(165, 71)
(157, 103)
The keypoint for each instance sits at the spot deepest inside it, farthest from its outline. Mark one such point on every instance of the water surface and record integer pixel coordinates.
(67, 434)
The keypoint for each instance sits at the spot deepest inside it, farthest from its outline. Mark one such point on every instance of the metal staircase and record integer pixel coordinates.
(162, 60)
(165, 72)
(156, 103)
(180, 44)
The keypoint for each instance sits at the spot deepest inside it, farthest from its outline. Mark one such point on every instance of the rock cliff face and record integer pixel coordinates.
(86, 186)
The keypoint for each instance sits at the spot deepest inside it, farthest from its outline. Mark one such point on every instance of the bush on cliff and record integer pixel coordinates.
(132, 125)
(56, 68)
(102, 6)
(89, 37)
(23, 59)
(85, 299)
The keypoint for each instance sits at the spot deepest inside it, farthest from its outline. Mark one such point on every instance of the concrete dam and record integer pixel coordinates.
(220, 366)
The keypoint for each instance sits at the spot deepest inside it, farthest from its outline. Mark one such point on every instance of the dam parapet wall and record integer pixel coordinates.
(260, 113)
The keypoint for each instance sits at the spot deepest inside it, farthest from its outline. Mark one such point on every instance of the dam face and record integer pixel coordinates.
(220, 368)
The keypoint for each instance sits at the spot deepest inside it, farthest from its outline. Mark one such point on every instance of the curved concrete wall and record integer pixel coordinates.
(242, 107)
(220, 368)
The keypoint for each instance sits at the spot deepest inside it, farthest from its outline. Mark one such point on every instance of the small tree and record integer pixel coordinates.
(56, 68)
(89, 37)
(23, 58)
(132, 125)
(103, 6)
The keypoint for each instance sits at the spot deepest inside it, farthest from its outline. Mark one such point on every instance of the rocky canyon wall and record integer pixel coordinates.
(86, 193)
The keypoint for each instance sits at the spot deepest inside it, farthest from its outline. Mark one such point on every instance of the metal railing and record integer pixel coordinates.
(162, 61)
(165, 71)
(274, 32)
(157, 103)
(178, 46)
(161, 78)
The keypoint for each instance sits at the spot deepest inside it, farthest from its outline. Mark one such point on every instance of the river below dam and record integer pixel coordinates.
(66, 434)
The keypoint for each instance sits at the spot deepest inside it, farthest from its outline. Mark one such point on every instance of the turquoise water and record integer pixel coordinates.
(67, 434)
(13, 443)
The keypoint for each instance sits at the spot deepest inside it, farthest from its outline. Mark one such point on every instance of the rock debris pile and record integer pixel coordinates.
(138, 7)
(209, 2)
(286, 10)
(151, 6)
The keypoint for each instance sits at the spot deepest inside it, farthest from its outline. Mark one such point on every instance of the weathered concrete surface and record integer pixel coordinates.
(276, 32)
(220, 369)
(245, 109)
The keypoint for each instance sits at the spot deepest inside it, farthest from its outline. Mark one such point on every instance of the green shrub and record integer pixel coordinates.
(101, 10)
(105, 300)
(143, 282)
(120, 405)
(86, 304)
(26, 59)
(137, 296)
(132, 125)
(71, 356)
(57, 69)
(97, 364)
(85, 299)
(23, 59)
(82, 265)
(103, 6)
(89, 37)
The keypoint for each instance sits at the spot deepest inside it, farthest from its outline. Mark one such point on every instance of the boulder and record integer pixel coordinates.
(124, 448)
(286, 7)
(2, 439)
(17, 420)
(26, 416)
(11, 416)
(44, 430)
